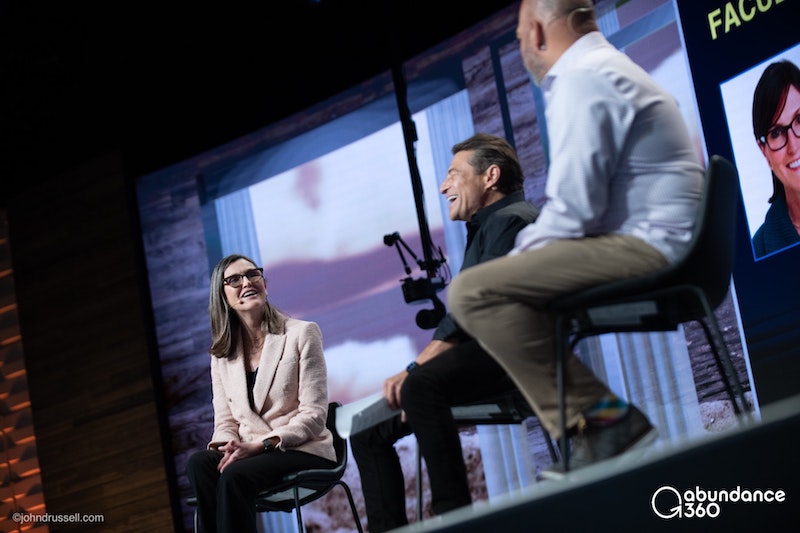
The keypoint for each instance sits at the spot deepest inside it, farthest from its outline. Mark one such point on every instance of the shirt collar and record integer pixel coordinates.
(571, 56)
(485, 212)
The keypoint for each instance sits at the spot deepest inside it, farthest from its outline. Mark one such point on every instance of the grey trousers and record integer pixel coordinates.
(502, 304)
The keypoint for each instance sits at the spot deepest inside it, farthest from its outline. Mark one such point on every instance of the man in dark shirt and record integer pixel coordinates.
(484, 189)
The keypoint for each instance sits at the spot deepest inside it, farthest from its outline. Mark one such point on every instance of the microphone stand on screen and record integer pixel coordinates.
(420, 289)
(417, 290)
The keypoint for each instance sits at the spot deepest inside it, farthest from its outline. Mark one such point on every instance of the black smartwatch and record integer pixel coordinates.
(268, 445)
(411, 366)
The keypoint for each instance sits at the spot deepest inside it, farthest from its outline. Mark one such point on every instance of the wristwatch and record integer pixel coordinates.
(411, 366)
(268, 445)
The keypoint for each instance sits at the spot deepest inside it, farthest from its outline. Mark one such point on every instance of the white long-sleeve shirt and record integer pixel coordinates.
(621, 158)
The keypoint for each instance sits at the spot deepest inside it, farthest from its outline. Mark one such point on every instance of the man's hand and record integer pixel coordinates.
(393, 384)
(391, 389)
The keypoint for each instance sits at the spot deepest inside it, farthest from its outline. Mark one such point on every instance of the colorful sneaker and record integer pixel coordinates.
(592, 444)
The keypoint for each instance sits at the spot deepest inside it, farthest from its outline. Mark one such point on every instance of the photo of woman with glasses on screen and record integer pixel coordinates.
(776, 125)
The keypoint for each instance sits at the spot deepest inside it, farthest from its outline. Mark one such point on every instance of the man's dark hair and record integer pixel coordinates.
(493, 150)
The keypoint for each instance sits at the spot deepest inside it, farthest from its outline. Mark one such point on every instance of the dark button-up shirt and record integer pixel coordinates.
(490, 234)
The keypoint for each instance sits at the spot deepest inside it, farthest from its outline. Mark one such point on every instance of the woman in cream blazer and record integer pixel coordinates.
(270, 399)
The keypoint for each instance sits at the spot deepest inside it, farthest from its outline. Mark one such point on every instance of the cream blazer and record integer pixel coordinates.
(290, 393)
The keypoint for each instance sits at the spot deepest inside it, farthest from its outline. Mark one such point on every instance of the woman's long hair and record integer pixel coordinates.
(225, 323)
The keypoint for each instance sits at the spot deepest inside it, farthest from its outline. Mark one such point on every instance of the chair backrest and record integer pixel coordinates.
(339, 444)
(313, 483)
(299, 488)
(709, 263)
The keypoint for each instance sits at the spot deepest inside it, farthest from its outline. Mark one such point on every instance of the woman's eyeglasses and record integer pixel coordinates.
(777, 137)
(235, 281)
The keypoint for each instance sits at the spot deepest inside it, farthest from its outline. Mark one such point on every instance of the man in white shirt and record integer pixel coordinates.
(623, 189)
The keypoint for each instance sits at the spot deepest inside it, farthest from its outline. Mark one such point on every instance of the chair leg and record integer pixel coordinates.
(352, 505)
(296, 492)
(561, 341)
(722, 367)
(722, 358)
(550, 447)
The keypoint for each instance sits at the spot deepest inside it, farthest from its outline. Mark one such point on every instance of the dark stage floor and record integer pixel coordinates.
(758, 460)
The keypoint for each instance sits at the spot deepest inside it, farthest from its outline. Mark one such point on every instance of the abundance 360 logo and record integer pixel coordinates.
(667, 502)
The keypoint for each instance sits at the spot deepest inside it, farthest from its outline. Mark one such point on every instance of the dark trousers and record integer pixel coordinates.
(463, 374)
(226, 502)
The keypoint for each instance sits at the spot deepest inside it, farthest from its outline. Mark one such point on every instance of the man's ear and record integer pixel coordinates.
(538, 34)
(492, 176)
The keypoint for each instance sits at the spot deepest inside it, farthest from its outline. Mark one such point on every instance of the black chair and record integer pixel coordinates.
(687, 291)
(305, 486)
(300, 488)
(505, 408)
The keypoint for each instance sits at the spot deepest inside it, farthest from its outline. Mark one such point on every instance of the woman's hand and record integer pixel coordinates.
(235, 450)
